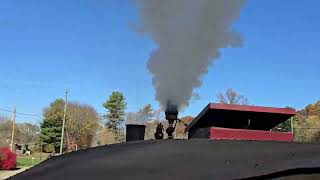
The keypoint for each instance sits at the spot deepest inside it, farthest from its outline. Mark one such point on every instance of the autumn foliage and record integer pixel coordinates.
(307, 124)
(313, 109)
(8, 159)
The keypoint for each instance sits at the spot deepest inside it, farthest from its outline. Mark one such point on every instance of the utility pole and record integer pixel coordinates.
(64, 121)
(291, 122)
(13, 126)
(40, 148)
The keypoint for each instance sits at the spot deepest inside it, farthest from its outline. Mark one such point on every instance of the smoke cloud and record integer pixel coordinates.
(136, 118)
(188, 35)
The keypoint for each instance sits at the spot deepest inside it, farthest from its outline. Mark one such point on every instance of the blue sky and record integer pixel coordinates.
(89, 47)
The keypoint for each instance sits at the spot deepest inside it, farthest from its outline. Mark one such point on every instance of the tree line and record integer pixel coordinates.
(82, 123)
(24, 132)
(306, 124)
(86, 128)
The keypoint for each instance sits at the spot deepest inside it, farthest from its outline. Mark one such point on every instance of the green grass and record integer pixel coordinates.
(27, 161)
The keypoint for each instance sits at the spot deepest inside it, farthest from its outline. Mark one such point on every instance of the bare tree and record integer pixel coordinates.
(232, 97)
(145, 114)
(81, 125)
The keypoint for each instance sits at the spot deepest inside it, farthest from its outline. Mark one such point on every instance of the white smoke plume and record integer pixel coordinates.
(136, 118)
(188, 35)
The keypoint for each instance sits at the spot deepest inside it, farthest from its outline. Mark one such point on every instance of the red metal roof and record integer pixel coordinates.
(232, 107)
(245, 134)
(240, 116)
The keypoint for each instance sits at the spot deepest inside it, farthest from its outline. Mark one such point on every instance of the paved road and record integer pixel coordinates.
(7, 174)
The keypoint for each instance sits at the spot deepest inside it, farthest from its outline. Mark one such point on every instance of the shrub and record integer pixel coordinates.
(49, 148)
(8, 159)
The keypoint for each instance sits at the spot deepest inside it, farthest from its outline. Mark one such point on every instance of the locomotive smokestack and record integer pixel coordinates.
(171, 116)
(171, 112)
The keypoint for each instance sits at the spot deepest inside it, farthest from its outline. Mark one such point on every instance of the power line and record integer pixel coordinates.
(20, 113)
(5, 110)
(27, 114)
(306, 128)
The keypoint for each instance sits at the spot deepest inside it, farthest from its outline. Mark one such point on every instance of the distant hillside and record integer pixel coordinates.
(307, 124)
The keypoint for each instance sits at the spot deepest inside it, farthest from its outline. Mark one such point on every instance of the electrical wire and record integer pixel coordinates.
(5, 110)
(20, 113)
(27, 114)
(306, 128)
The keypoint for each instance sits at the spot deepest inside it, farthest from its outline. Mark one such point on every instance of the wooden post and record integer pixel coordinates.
(64, 121)
(40, 148)
(13, 126)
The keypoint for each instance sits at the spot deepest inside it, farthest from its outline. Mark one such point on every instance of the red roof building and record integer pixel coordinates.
(240, 122)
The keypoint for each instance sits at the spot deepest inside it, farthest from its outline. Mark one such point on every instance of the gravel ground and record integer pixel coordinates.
(180, 159)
